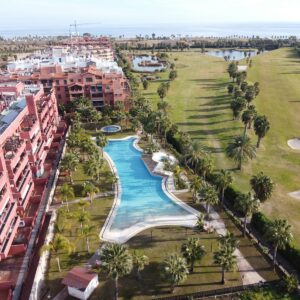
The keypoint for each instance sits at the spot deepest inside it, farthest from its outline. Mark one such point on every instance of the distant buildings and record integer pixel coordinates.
(80, 67)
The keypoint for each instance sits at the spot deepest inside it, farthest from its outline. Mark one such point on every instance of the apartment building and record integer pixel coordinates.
(30, 135)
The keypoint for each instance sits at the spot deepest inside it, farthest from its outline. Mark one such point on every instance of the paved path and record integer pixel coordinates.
(249, 275)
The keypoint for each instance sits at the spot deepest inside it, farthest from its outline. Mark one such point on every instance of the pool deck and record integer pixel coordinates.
(123, 236)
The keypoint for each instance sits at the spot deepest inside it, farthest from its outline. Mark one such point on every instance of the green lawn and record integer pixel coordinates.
(200, 106)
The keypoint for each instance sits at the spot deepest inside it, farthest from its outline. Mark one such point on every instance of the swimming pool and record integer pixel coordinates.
(142, 201)
(111, 128)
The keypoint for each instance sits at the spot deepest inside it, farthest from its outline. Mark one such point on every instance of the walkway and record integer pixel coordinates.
(249, 275)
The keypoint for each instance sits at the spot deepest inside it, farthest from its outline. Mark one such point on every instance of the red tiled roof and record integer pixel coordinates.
(79, 278)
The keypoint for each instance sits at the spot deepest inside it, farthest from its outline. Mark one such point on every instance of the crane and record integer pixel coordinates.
(75, 25)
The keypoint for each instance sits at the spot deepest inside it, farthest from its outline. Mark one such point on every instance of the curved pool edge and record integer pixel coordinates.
(125, 235)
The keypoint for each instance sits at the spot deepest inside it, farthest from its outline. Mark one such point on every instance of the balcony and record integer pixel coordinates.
(29, 127)
(5, 219)
(3, 197)
(13, 148)
(20, 165)
(2, 180)
(43, 107)
(23, 178)
(23, 201)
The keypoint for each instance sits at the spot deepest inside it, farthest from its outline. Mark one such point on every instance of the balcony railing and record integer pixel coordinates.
(23, 178)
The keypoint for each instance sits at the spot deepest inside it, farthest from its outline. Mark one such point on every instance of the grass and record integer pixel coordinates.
(200, 106)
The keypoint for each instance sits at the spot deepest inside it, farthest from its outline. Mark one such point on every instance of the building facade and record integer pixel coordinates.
(30, 133)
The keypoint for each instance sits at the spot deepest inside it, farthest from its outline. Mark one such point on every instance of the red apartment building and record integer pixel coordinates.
(30, 135)
(102, 88)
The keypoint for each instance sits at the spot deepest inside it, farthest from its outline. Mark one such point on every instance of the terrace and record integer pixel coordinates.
(13, 147)
(29, 127)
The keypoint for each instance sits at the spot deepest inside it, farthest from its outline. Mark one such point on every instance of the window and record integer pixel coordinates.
(89, 79)
(57, 82)
(66, 88)
(65, 82)
(71, 80)
(58, 88)
(59, 97)
(79, 80)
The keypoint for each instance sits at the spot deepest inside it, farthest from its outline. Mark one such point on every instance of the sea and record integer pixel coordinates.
(178, 30)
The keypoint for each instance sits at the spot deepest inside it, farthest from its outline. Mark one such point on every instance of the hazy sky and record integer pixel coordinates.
(24, 14)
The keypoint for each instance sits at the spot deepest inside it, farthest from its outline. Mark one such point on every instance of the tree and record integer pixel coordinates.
(262, 185)
(200, 221)
(250, 94)
(237, 105)
(87, 232)
(69, 163)
(90, 190)
(279, 234)
(82, 217)
(261, 128)
(192, 251)
(116, 261)
(248, 205)
(59, 244)
(209, 195)
(195, 186)
(241, 77)
(232, 70)
(205, 165)
(244, 86)
(163, 106)
(247, 117)
(223, 180)
(173, 75)
(241, 150)
(94, 165)
(162, 91)
(256, 88)
(226, 260)
(140, 260)
(228, 241)
(101, 142)
(145, 84)
(174, 270)
(67, 193)
(230, 88)
(194, 155)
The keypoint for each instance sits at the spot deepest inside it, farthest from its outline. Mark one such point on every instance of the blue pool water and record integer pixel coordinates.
(142, 197)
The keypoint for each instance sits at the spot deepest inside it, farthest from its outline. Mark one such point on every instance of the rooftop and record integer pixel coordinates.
(79, 278)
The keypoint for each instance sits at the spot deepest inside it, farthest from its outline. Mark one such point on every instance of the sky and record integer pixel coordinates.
(32, 14)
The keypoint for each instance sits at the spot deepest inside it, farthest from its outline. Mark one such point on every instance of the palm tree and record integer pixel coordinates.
(82, 217)
(225, 259)
(200, 221)
(83, 204)
(195, 186)
(240, 150)
(262, 185)
(237, 105)
(163, 106)
(67, 193)
(117, 262)
(247, 117)
(248, 205)
(69, 163)
(261, 127)
(223, 180)
(174, 270)
(228, 241)
(59, 244)
(87, 232)
(101, 142)
(250, 94)
(209, 195)
(279, 234)
(140, 260)
(205, 166)
(195, 154)
(94, 165)
(192, 251)
(88, 147)
(90, 190)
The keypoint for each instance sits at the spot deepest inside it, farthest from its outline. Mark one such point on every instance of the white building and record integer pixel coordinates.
(81, 282)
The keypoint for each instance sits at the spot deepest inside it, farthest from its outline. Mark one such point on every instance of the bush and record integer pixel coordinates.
(260, 222)
(174, 140)
(231, 195)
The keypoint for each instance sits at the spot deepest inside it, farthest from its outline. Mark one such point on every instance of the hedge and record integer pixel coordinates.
(231, 195)
(291, 253)
(174, 140)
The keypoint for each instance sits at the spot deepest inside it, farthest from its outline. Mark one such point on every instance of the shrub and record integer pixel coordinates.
(174, 140)
(260, 222)
(231, 195)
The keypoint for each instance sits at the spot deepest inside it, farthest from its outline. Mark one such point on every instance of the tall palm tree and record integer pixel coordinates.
(195, 153)
(262, 185)
(261, 127)
(241, 150)
(82, 217)
(174, 270)
(225, 258)
(195, 186)
(101, 142)
(87, 147)
(223, 180)
(67, 192)
(90, 190)
(87, 232)
(117, 262)
(94, 165)
(279, 234)
(228, 241)
(69, 163)
(209, 195)
(205, 166)
(247, 117)
(192, 251)
(59, 244)
(140, 260)
(248, 205)
(237, 105)
(163, 106)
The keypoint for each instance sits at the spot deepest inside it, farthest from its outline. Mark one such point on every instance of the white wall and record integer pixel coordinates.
(87, 292)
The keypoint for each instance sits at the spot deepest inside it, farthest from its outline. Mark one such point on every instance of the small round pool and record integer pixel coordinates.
(111, 128)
